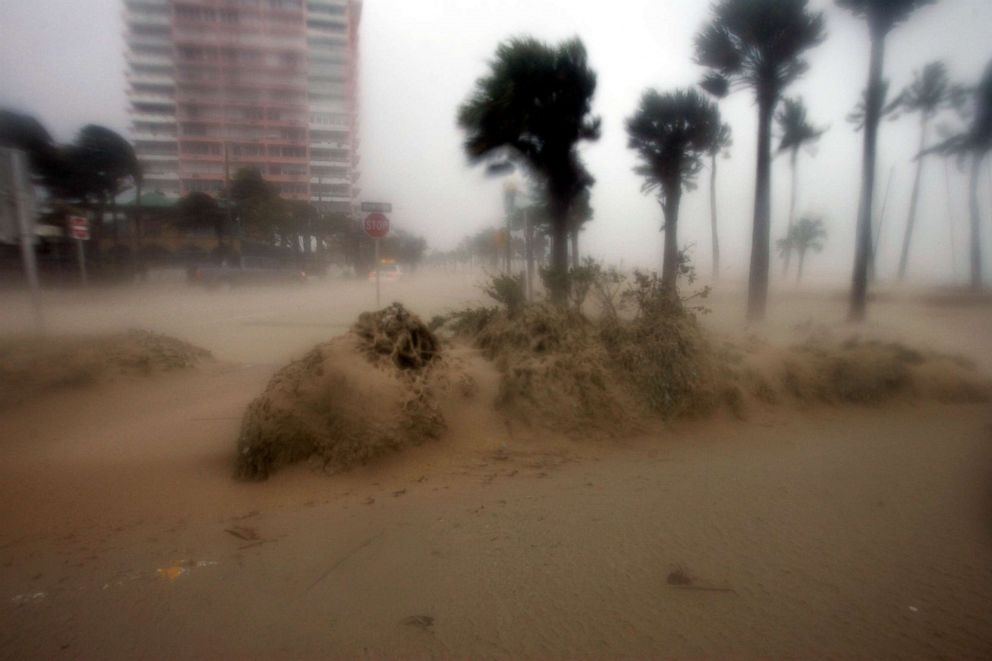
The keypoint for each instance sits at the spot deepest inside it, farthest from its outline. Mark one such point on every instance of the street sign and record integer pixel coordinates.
(79, 228)
(377, 207)
(376, 225)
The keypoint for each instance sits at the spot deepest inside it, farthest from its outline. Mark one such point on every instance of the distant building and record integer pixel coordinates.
(217, 85)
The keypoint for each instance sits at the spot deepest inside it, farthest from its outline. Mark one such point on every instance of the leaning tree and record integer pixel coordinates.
(534, 108)
(720, 146)
(796, 132)
(805, 235)
(881, 16)
(671, 134)
(929, 92)
(759, 45)
(973, 143)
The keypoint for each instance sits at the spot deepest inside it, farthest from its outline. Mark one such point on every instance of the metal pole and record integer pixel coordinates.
(81, 254)
(377, 304)
(26, 231)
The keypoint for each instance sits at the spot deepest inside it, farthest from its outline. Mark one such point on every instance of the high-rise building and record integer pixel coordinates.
(218, 85)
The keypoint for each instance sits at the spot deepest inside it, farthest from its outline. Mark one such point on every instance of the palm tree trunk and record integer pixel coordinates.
(794, 161)
(877, 236)
(951, 221)
(559, 255)
(575, 248)
(873, 113)
(115, 220)
(529, 253)
(670, 266)
(976, 221)
(757, 299)
(713, 219)
(799, 271)
(914, 198)
(509, 246)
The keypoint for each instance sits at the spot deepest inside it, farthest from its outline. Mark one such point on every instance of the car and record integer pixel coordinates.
(387, 273)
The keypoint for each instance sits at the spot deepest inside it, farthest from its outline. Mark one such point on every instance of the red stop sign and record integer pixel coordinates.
(79, 228)
(376, 225)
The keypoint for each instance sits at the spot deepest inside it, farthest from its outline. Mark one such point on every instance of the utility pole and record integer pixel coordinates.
(19, 202)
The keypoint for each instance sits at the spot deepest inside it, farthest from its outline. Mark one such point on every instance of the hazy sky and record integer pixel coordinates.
(63, 61)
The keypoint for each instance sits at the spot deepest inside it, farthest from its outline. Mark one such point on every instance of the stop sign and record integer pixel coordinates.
(376, 225)
(79, 228)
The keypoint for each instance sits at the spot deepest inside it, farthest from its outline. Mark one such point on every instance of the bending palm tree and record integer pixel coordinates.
(975, 143)
(808, 234)
(926, 95)
(758, 44)
(721, 144)
(671, 133)
(534, 108)
(797, 132)
(882, 16)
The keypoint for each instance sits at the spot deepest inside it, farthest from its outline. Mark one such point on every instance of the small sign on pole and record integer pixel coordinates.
(377, 207)
(79, 229)
(376, 226)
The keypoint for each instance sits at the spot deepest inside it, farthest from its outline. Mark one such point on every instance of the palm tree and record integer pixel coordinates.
(27, 134)
(256, 202)
(534, 108)
(857, 118)
(581, 213)
(975, 142)
(807, 234)
(300, 222)
(926, 95)
(671, 133)
(882, 16)
(101, 162)
(797, 132)
(721, 144)
(758, 44)
(200, 210)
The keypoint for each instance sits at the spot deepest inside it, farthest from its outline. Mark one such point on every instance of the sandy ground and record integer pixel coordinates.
(818, 532)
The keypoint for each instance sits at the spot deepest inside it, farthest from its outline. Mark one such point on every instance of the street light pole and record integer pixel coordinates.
(25, 230)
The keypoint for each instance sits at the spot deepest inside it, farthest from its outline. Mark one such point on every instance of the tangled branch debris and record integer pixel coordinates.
(350, 400)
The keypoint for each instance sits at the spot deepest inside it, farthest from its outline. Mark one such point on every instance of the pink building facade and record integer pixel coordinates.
(218, 85)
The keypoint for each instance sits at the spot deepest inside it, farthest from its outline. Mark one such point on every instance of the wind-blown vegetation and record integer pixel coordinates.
(881, 17)
(671, 133)
(796, 132)
(759, 45)
(533, 109)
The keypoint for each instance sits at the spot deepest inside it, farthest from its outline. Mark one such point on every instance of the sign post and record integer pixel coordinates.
(18, 218)
(79, 229)
(376, 226)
